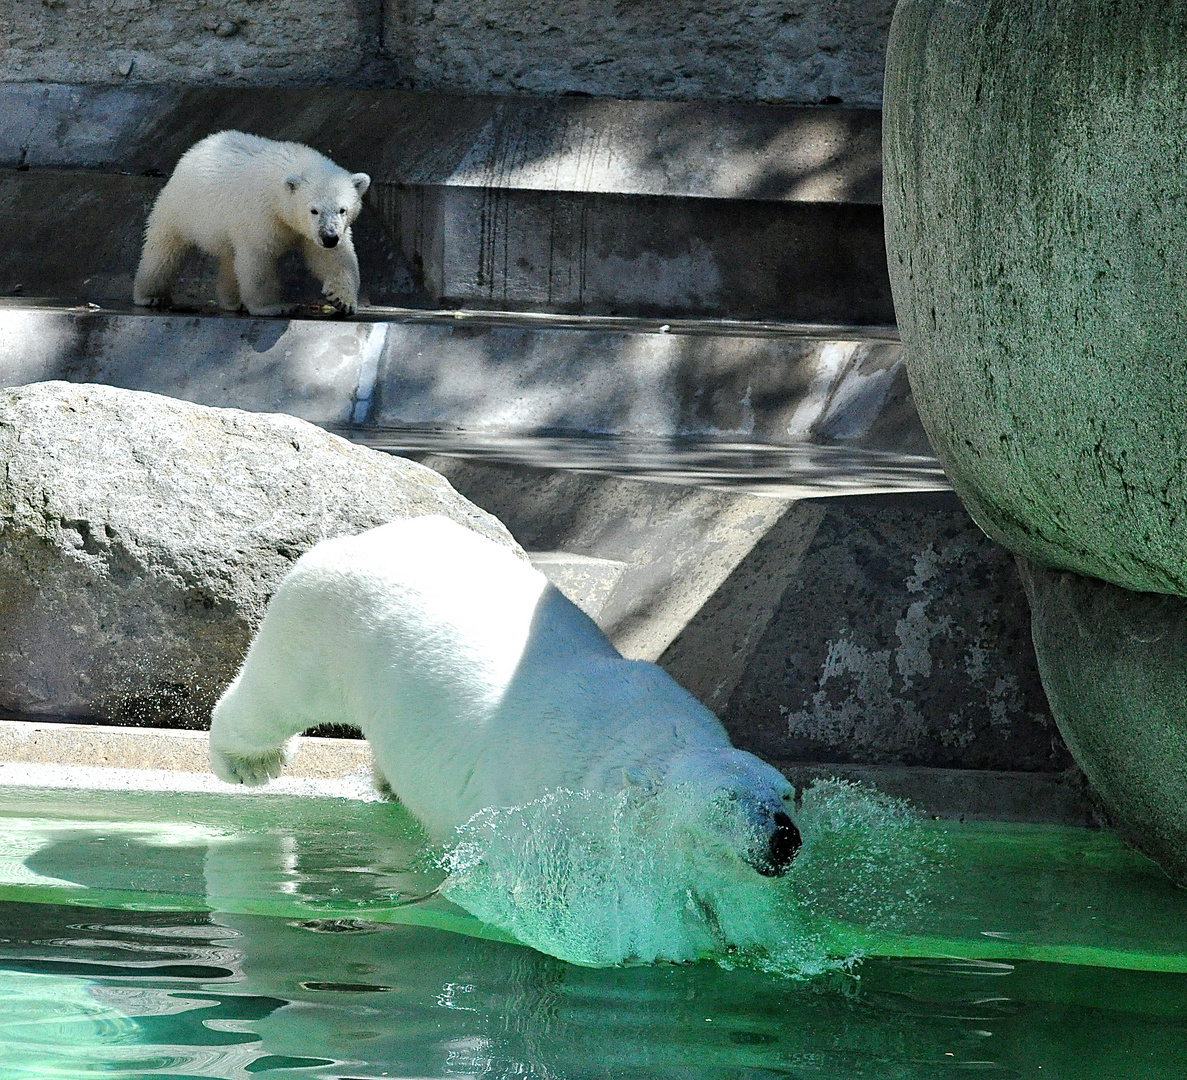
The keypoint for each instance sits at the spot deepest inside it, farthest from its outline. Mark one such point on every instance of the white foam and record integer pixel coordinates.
(601, 880)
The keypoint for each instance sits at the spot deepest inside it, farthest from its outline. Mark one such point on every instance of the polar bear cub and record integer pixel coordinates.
(478, 684)
(247, 201)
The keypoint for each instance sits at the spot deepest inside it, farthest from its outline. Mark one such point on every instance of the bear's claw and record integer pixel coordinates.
(251, 770)
(344, 306)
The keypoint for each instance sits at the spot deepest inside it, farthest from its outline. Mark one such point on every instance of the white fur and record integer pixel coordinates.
(247, 200)
(477, 684)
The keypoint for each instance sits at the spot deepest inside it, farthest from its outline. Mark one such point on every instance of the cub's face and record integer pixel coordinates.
(323, 208)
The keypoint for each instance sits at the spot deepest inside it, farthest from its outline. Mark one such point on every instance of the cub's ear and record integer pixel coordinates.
(293, 182)
(361, 182)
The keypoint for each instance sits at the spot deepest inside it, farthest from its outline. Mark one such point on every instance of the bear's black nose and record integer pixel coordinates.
(785, 843)
(329, 240)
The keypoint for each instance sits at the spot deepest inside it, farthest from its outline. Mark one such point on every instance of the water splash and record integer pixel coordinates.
(601, 880)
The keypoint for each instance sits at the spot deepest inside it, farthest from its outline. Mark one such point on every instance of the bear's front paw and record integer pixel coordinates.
(345, 301)
(250, 769)
(152, 301)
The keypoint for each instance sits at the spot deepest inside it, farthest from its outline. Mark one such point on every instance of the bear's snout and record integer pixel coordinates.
(329, 240)
(783, 847)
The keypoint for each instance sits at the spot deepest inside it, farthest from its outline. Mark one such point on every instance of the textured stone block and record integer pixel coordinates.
(187, 41)
(690, 49)
(901, 638)
(141, 537)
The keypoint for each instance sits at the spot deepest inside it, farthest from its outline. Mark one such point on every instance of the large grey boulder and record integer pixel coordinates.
(141, 537)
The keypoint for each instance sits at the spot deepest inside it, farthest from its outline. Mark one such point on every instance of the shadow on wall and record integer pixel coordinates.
(511, 201)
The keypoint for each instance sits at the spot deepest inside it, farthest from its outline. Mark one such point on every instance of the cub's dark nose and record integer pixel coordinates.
(785, 843)
(329, 241)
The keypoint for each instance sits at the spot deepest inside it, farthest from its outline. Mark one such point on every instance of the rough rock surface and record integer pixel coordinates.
(760, 50)
(1114, 664)
(187, 41)
(721, 50)
(141, 537)
(902, 639)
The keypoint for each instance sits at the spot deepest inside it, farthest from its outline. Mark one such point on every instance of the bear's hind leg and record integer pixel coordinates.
(259, 283)
(226, 287)
(160, 262)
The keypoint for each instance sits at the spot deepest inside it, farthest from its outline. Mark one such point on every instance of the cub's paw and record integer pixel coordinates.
(346, 302)
(250, 769)
(152, 301)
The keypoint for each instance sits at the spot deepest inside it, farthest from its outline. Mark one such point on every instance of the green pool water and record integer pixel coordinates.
(228, 936)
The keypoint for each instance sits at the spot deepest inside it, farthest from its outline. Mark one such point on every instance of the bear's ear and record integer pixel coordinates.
(361, 182)
(641, 780)
(293, 182)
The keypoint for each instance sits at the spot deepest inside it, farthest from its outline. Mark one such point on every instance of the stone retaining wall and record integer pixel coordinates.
(707, 50)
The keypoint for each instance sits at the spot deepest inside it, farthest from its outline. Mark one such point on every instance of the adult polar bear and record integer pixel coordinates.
(478, 684)
(247, 200)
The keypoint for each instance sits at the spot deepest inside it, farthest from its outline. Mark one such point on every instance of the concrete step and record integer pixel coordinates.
(497, 377)
(568, 205)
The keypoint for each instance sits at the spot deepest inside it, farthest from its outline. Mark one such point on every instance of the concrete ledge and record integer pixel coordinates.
(591, 205)
(77, 755)
(758, 383)
(594, 253)
(696, 149)
(969, 794)
(161, 749)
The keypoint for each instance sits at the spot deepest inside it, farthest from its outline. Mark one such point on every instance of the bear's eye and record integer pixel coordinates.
(342, 209)
(313, 212)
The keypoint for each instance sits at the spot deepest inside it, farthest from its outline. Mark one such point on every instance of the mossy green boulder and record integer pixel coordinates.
(1036, 221)
(1114, 664)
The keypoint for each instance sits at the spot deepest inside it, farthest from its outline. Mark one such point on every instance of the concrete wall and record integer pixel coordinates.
(189, 41)
(736, 50)
(728, 50)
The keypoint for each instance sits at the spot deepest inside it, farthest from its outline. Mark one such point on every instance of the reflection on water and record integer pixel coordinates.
(187, 995)
(585, 877)
(795, 471)
(191, 936)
